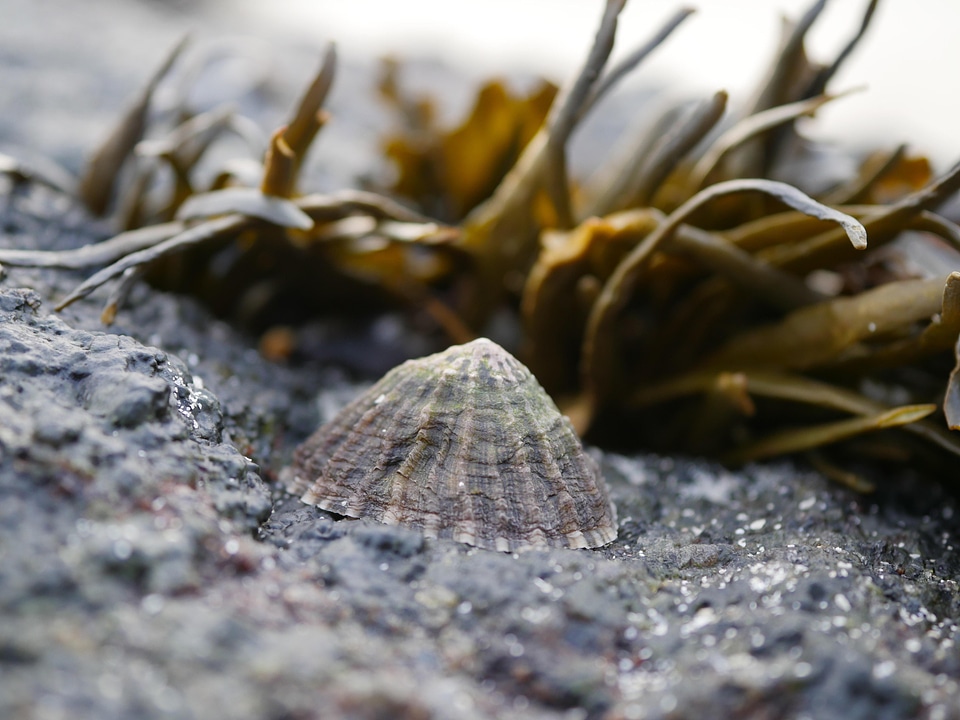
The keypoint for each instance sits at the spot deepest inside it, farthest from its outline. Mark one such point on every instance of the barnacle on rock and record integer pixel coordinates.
(466, 445)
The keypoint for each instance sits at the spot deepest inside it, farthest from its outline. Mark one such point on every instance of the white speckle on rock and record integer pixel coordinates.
(884, 669)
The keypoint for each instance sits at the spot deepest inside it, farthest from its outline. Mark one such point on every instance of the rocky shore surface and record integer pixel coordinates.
(151, 567)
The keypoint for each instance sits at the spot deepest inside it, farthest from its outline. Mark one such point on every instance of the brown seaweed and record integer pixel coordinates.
(676, 292)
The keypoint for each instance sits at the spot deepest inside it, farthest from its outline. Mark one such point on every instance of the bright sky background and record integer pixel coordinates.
(909, 61)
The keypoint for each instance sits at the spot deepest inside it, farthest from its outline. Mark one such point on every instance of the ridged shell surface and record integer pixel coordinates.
(466, 445)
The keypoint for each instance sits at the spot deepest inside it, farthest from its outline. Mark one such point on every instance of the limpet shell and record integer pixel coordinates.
(465, 445)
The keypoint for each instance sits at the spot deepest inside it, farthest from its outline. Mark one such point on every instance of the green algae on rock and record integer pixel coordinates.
(466, 445)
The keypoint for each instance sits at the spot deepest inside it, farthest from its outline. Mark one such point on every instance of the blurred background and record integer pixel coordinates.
(66, 67)
(908, 60)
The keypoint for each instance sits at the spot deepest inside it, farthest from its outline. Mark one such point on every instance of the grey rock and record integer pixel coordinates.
(126, 401)
(131, 586)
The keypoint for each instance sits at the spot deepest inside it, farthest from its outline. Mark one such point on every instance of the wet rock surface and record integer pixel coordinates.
(150, 567)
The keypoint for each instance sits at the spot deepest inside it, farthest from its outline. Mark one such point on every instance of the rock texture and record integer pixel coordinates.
(149, 571)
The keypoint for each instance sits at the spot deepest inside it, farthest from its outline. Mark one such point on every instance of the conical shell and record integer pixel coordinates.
(466, 445)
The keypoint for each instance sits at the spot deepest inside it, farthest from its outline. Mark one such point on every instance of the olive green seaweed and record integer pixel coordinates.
(683, 293)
